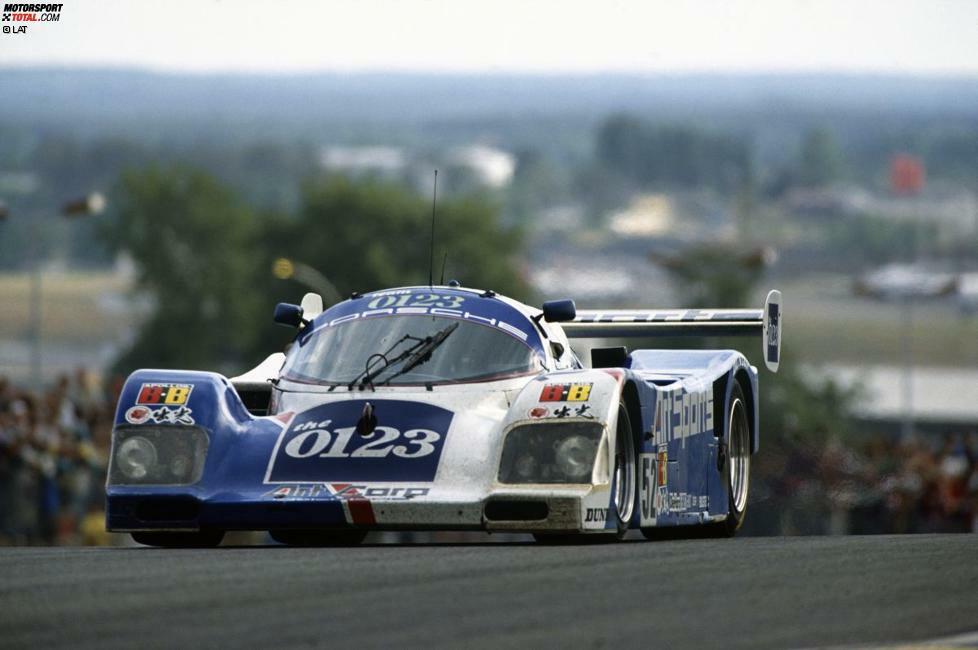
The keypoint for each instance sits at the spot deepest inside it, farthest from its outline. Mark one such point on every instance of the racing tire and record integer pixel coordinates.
(736, 465)
(201, 539)
(318, 538)
(625, 473)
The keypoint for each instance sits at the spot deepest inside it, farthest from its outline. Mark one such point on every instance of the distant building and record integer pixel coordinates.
(648, 215)
(944, 399)
(357, 161)
(492, 167)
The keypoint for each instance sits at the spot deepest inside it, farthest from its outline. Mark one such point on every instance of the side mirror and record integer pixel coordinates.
(559, 311)
(288, 314)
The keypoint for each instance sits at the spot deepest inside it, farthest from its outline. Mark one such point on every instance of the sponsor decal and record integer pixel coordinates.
(322, 444)
(346, 491)
(772, 333)
(680, 414)
(566, 392)
(170, 394)
(596, 514)
(140, 414)
(581, 411)
(662, 474)
(539, 412)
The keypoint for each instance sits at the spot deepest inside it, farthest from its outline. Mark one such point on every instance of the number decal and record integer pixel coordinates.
(422, 441)
(648, 482)
(416, 300)
(451, 302)
(373, 448)
(382, 302)
(424, 444)
(338, 449)
(322, 444)
(321, 440)
(425, 300)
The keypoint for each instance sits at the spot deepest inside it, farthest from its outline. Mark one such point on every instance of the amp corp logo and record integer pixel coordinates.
(345, 491)
(29, 13)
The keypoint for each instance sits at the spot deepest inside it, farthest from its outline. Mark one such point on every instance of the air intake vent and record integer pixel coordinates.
(516, 510)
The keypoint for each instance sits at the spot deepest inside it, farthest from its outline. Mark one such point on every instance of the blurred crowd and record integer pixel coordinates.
(927, 483)
(54, 449)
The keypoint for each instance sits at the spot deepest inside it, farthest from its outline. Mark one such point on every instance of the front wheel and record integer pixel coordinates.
(624, 483)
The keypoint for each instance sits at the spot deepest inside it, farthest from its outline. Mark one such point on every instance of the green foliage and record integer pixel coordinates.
(205, 259)
(821, 161)
(672, 156)
(369, 235)
(192, 241)
(715, 276)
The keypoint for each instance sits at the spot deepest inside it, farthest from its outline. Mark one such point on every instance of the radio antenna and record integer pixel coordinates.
(431, 256)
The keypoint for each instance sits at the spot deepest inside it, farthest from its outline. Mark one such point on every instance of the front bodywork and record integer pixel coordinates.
(433, 461)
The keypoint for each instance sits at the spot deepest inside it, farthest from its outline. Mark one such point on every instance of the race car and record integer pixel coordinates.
(447, 408)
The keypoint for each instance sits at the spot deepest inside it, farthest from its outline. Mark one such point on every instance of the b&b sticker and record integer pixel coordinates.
(566, 392)
(160, 394)
(322, 444)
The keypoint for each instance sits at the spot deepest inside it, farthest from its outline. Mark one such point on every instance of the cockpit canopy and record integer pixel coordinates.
(391, 349)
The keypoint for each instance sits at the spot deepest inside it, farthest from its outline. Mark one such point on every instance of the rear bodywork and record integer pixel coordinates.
(438, 457)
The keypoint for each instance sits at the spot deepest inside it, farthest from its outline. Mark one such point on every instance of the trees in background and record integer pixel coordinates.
(821, 161)
(194, 244)
(665, 155)
(205, 258)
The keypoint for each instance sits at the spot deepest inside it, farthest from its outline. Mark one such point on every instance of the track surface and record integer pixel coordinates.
(760, 592)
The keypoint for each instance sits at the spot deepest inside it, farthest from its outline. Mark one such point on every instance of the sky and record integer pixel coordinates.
(651, 36)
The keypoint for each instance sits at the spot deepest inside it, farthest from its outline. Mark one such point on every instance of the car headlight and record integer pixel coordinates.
(575, 457)
(148, 455)
(550, 452)
(136, 457)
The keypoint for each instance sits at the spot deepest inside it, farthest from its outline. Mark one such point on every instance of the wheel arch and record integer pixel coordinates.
(742, 377)
(633, 405)
(723, 389)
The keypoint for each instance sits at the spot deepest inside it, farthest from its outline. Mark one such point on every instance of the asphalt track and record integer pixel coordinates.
(752, 592)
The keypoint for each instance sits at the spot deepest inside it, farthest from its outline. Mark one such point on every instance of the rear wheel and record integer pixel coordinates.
(736, 467)
(318, 537)
(200, 539)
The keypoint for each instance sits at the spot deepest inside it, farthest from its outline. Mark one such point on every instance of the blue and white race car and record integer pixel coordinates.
(446, 408)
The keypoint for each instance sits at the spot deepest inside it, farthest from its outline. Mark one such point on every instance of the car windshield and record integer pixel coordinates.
(470, 351)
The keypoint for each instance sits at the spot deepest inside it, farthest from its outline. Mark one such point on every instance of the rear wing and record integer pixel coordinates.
(611, 323)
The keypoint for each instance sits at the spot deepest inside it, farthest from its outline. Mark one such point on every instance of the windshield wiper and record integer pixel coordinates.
(422, 353)
(368, 375)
